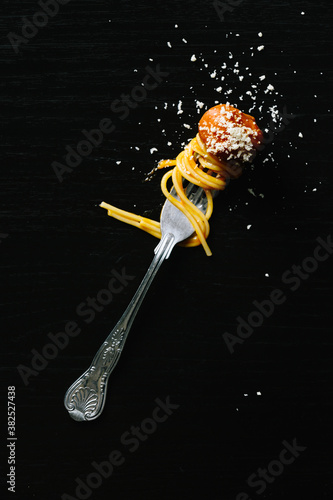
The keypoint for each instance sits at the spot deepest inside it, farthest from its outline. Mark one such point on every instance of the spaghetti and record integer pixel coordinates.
(227, 139)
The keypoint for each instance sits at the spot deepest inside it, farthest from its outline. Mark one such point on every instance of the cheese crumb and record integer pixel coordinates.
(260, 47)
(193, 58)
(199, 104)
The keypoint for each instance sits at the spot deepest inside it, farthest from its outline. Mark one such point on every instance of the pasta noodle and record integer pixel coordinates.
(197, 165)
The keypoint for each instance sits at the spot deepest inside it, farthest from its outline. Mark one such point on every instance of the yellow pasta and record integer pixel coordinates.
(199, 166)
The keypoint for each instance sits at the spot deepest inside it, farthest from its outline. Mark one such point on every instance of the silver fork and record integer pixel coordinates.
(85, 398)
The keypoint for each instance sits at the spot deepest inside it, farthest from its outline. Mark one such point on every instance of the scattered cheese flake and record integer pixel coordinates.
(258, 393)
(248, 226)
(193, 58)
(186, 125)
(118, 162)
(260, 34)
(260, 47)
(169, 44)
(213, 75)
(199, 104)
(152, 150)
(262, 77)
(185, 41)
(300, 134)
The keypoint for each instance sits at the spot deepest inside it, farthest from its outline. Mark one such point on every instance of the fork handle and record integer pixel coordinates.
(85, 398)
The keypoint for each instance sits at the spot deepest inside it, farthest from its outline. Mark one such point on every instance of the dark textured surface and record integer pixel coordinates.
(57, 248)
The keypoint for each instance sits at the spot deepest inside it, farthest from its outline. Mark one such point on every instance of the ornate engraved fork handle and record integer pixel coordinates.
(85, 398)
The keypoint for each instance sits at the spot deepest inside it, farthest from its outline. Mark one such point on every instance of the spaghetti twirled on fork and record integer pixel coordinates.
(206, 162)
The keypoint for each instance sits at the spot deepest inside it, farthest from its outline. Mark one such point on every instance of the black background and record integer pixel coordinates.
(58, 247)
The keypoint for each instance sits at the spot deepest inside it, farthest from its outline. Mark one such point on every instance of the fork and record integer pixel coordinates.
(85, 398)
